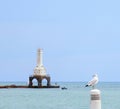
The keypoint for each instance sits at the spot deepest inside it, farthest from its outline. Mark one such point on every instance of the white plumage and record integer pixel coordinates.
(93, 81)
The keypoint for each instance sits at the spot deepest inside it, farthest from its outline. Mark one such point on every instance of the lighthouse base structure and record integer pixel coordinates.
(39, 79)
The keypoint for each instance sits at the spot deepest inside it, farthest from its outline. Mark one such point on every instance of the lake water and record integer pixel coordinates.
(75, 97)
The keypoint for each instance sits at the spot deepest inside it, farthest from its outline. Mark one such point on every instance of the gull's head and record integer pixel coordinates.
(95, 75)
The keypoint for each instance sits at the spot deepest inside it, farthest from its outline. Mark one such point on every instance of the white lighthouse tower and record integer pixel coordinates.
(39, 69)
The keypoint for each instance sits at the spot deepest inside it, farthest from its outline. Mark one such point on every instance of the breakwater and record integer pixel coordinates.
(22, 86)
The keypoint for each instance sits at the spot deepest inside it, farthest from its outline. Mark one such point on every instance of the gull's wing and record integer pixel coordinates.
(92, 82)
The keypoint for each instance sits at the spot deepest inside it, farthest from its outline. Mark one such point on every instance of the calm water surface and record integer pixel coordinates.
(75, 97)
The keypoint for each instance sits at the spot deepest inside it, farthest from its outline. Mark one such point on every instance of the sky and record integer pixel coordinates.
(79, 38)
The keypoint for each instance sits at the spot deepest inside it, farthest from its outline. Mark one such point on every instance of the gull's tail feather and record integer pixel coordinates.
(86, 85)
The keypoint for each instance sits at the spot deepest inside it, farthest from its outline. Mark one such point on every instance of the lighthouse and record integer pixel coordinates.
(40, 74)
(40, 69)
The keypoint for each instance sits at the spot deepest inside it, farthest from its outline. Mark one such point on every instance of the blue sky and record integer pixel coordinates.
(78, 38)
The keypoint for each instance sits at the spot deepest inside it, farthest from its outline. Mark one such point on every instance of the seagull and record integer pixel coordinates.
(93, 81)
